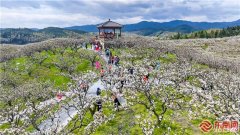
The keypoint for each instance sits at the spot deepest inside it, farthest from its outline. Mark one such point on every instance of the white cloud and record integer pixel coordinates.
(195, 18)
(129, 20)
(62, 13)
(43, 17)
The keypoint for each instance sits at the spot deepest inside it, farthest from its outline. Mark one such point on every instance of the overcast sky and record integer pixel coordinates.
(62, 13)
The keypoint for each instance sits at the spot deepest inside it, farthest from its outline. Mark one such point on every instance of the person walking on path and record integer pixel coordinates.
(98, 92)
(149, 69)
(96, 47)
(116, 60)
(130, 70)
(122, 82)
(157, 67)
(109, 69)
(84, 87)
(116, 102)
(97, 65)
(112, 59)
(99, 105)
(107, 52)
(102, 73)
(59, 95)
(145, 77)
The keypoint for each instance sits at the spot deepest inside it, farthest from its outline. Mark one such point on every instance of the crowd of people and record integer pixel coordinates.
(111, 58)
(105, 70)
(112, 61)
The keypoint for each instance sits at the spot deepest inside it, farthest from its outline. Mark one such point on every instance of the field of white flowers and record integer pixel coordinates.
(188, 81)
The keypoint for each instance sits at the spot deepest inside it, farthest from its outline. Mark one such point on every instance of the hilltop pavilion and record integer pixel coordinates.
(109, 30)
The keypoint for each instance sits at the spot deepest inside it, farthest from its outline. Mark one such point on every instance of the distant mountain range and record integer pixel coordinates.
(149, 28)
(29, 35)
(26, 35)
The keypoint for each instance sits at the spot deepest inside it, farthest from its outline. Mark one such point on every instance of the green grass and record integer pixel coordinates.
(89, 45)
(205, 46)
(128, 123)
(123, 120)
(5, 126)
(87, 119)
(47, 70)
(8, 125)
(30, 128)
(168, 58)
(84, 66)
(193, 81)
(2, 104)
(200, 66)
(116, 52)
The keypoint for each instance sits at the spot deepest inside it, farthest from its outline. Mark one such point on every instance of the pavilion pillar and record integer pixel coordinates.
(120, 31)
(98, 32)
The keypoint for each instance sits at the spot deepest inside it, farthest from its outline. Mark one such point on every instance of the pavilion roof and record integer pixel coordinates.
(109, 24)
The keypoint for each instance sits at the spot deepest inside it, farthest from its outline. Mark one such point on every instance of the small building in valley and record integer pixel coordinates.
(109, 30)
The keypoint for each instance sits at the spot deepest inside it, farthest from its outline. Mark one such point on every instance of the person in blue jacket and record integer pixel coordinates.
(98, 91)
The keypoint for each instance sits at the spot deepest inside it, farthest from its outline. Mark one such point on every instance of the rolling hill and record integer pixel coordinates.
(26, 35)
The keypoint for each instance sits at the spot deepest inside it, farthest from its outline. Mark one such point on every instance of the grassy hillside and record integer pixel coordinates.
(137, 117)
(25, 35)
(45, 66)
(216, 52)
(43, 72)
(177, 97)
(15, 51)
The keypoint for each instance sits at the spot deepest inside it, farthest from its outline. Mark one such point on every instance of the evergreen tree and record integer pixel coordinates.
(226, 32)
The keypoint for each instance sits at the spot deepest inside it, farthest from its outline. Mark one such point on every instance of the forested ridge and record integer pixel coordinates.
(26, 35)
(213, 33)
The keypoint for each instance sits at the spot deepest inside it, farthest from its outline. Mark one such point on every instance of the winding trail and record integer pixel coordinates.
(55, 100)
(43, 104)
(67, 112)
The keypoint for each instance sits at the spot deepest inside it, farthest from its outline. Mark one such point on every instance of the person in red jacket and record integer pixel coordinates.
(97, 47)
(145, 78)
